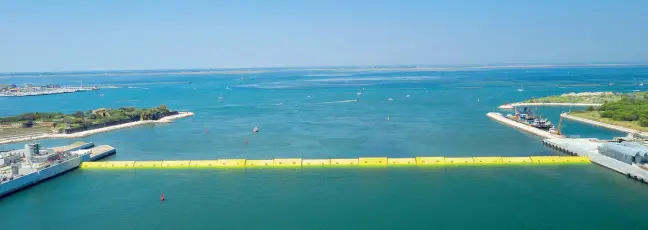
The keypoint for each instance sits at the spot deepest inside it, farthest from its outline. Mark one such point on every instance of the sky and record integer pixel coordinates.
(66, 35)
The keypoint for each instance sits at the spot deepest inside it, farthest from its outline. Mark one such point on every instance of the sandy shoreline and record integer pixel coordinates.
(510, 106)
(604, 125)
(167, 119)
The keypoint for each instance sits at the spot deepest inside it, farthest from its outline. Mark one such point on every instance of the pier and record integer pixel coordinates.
(527, 128)
(350, 162)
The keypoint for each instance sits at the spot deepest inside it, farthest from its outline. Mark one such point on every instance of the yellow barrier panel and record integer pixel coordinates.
(259, 163)
(366, 161)
(544, 159)
(176, 164)
(119, 164)
(487, 160)
(92, 165)
(430, 160)
(231, 163)
(573, 159)
(291, 162)
(372, 161)
(401, 161)
(311, 162)
(344, 161)
(204, 164)
(458, 160)
(147, 164)
(516, 160)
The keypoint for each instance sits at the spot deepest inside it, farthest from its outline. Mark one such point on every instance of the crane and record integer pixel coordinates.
(558, 130)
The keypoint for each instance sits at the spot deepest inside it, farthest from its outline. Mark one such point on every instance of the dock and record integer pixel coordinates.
(349, 162)
(101, 151)
(589, 148)
(73, 147)
(526, 128)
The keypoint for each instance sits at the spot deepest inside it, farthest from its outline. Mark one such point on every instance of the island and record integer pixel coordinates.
(628, 114)
(569, 99)
(40, 125)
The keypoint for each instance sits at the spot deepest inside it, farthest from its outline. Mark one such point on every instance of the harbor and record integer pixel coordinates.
(628, 156)
(521, 126)
(21, 168)
(33, 90)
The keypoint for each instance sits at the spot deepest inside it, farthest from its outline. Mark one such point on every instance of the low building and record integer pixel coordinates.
(627, 152)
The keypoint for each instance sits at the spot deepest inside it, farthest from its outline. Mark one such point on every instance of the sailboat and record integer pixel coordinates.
(521, 89)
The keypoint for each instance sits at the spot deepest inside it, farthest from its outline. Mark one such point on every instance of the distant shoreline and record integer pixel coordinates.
(167, 119)
(259, 70)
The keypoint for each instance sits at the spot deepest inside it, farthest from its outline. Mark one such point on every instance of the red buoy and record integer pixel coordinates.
(162, 197)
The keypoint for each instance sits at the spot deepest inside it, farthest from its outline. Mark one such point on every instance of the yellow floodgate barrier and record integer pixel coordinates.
(363, 161)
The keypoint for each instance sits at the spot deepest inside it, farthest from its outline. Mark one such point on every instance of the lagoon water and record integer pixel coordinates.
(319, 114)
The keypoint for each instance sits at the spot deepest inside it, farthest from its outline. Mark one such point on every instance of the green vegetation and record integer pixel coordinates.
(591, 98)
(630, 111)
(79, 120)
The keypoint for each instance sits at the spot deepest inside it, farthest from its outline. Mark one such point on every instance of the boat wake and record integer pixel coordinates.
(332, 102)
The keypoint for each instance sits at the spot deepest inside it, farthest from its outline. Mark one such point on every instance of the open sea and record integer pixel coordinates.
(306, 113)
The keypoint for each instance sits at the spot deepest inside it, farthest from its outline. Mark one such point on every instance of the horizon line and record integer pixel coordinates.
(332, 67)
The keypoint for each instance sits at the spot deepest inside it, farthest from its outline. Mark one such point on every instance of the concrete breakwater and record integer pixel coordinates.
(363, 161)
(604, 125)
(527, 128)
(167, 119)
(589, 148)
(512, 105)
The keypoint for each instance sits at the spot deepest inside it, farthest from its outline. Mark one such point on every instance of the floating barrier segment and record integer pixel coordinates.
(364, 161)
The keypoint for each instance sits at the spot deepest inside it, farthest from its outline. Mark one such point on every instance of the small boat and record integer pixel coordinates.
(407, 95)
(227, 88)
(359, 93)
(255, 130)
(390, 99)
(521, 89)
(477, 99)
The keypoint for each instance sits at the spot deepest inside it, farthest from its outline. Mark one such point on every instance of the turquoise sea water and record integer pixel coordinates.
(441, 117)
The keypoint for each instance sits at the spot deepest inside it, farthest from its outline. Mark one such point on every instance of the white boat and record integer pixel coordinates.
(521, 89)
